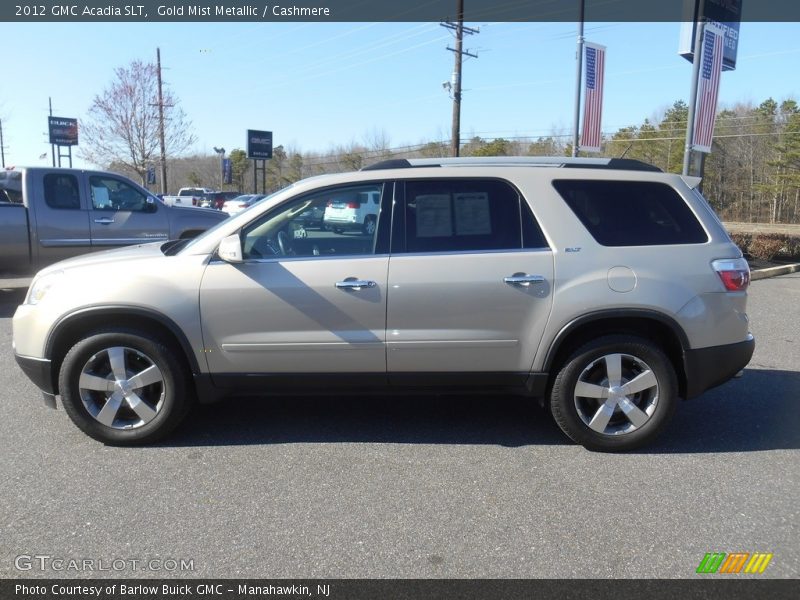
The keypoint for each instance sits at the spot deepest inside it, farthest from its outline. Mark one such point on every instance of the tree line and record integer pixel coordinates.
(751, 175)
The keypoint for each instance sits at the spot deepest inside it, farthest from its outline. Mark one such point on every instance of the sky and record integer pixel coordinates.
(318, 85)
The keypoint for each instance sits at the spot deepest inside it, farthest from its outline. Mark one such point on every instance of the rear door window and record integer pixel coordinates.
(464, 215)
(631, 213)
(61, 191)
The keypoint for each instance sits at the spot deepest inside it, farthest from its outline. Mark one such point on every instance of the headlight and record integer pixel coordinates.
(41, 285)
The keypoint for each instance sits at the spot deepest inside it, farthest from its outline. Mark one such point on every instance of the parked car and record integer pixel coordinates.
(48, 214)
(313, 216)
(217, 199)
(604, 288)
(188, 196)
(351, 210)
(240, 203)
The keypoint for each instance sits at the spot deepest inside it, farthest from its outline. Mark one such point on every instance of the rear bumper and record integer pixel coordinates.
(709, 367)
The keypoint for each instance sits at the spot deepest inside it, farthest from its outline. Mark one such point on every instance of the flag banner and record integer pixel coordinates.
(708, 88)
(595, 57)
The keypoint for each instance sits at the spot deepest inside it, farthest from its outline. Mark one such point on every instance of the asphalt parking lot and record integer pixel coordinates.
(414, 487)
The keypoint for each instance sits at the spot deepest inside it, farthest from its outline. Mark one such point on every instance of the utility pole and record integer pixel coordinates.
(2, 147)
(161, 125)
(458, 27)
(52, 147)
(578, 79)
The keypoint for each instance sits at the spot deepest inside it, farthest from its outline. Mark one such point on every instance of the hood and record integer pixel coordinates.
(116, 255)
(197, 210)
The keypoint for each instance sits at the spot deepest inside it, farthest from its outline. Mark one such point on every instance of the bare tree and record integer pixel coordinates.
(122, 125)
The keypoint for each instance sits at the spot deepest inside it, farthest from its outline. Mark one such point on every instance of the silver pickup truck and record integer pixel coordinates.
(49, 214)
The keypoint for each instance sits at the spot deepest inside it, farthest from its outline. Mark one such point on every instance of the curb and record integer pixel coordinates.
(774, 271)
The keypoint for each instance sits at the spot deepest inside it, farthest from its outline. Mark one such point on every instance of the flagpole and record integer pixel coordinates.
(698, 47)
(578, 74)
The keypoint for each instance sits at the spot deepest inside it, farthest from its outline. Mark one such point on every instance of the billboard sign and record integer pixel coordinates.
(724, 14)
(63, 131)
(259, 144)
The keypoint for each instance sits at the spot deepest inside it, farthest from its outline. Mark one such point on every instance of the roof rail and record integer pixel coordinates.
(626, 164)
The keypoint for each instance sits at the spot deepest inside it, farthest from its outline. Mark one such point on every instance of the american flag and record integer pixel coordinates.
(708, 88)
(593, 97)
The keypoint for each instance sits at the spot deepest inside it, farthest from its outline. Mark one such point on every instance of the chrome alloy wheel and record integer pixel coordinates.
(616, 394)
(121, 388)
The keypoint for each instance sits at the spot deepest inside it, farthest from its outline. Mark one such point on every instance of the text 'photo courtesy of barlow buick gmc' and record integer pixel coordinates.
(49, 214)
(603, 289)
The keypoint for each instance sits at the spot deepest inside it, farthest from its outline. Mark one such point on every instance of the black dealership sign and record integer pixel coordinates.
(259, 144)
(63, 132)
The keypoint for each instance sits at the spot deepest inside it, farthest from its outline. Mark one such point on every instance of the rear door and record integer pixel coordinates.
(61, 213)
(121, 214)
(470, 284)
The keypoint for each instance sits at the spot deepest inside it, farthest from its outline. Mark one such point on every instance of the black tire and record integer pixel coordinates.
(656, 404)
(140, 350)
(370, 223)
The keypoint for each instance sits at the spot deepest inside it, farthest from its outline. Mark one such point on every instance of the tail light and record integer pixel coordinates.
(329, 204)
(734, 273)
(353, 205)
(194, 201)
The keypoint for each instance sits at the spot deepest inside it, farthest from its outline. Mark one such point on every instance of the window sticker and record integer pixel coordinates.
(100, 197)
(434, 216)
(472, 213)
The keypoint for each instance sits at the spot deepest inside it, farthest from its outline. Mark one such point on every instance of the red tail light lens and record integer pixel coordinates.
(353, 205)
(329, 204)
(734, 273)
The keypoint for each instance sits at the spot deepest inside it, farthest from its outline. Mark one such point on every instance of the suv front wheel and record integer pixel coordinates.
(615, 393)
(124, 387)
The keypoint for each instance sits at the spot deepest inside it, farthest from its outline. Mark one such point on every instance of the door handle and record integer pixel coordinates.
(523, 280)
(355, 284)
(104, 221)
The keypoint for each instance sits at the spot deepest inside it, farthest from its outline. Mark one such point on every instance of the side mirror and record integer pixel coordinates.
(230, 249)
(151, 205)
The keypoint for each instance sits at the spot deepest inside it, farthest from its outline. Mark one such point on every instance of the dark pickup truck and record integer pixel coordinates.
(49, 214)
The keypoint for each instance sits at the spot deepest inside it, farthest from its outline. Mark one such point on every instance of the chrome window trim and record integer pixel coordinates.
(217, 260)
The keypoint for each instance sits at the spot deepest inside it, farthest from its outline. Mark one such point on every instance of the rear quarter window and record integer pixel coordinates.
(631, 213)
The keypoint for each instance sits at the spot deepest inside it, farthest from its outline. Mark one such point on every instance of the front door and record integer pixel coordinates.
(306, 300)
(120, 214)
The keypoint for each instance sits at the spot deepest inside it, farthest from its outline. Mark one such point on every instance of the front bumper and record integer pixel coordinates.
(40, 372)
(709, 367)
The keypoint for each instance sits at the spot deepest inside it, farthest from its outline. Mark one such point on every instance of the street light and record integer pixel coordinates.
(221, 152)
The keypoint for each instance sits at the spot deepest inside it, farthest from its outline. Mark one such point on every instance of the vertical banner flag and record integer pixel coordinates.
(593, 97)
(708, 88)
(227, 171)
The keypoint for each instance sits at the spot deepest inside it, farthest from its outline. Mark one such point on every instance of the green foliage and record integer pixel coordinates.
(195, 180)
(240, 166)
(498, 147)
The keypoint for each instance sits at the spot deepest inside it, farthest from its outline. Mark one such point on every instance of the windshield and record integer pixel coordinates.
(211, 232)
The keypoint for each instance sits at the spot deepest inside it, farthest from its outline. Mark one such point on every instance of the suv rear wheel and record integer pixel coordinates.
(124, 387)
(615, 393)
